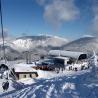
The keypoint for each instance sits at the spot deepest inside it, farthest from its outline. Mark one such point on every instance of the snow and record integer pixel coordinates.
(48, 74)
(49, 93)
(12, 86)
(23, 44)
(68, 86)
(49, 84)
(31, 42)
(23, 67)
(84, 44)
(27, 81)
(58, 87)
(72, 54)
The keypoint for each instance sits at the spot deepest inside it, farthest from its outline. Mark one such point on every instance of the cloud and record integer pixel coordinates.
(5, 32)
(88, 36)
(56, 12)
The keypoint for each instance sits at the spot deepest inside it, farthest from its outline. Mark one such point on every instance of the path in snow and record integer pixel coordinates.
(60, 87)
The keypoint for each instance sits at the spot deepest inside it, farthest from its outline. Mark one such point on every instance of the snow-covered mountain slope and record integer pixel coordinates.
(31, 42)
(81, 86)
(9, 52)
(37, 44)
(83, 44)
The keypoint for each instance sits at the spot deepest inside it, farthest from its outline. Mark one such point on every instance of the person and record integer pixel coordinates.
(76, 69)
(5, 86)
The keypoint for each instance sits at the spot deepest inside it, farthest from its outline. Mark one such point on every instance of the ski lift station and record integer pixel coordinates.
(60, 59)
(67, 57)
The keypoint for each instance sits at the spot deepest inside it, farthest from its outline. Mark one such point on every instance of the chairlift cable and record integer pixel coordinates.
(2, 32)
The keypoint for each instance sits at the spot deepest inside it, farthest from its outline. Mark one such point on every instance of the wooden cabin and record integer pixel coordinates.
(25, 72)
(21, 75)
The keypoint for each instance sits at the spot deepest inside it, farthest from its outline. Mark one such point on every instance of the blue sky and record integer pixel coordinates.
(66, 18)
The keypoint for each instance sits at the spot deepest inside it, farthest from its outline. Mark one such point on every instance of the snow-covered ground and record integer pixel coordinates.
(49, 74)
(75, 86)
(49, 84)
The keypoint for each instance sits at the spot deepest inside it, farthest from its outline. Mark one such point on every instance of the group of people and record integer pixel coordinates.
(83, 67)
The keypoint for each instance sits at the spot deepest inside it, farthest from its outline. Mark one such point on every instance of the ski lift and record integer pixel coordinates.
(4, 65)
(5, 85)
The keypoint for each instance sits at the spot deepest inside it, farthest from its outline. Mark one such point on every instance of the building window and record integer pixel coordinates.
(30, 75)
(17, 75)
(82, 56)
(24, 76)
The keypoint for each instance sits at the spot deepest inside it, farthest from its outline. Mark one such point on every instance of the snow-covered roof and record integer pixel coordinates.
(65, 53)
(23, 68)
(25, 65)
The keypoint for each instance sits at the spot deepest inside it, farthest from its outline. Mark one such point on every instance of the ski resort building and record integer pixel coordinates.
(44, 64)
(25, 72)
(21, 75)
(51, 63)
(69, 54)
(65, 58)
(60, 59)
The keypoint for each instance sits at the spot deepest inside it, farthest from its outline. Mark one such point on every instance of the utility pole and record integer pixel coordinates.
(28, 57)
(2, 31)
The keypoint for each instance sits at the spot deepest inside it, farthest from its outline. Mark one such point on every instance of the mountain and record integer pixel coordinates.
(10, 53)
(85, 44)
(31, 42)
(39, 45)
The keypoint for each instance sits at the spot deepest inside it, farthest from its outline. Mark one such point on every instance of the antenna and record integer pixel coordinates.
(2, 31)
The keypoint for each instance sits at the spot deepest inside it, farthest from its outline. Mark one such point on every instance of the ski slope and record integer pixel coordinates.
(66, 84)
(79, 86)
